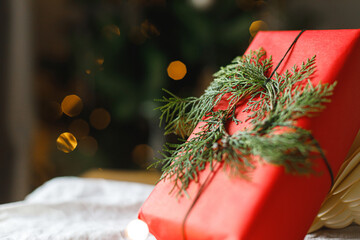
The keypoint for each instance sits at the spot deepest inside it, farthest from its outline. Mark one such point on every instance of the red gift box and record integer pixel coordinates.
(273, 204)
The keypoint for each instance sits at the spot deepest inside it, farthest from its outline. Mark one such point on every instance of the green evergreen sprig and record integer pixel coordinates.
(273, 106)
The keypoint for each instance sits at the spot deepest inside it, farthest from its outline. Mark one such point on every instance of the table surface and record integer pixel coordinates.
(83, 208)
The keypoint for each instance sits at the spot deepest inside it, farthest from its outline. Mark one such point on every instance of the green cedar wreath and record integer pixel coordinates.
(273, 105)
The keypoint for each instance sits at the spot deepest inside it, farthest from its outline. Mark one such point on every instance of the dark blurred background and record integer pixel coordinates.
(78, 78)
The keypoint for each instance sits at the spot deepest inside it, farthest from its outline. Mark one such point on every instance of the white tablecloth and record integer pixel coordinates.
(76, 208)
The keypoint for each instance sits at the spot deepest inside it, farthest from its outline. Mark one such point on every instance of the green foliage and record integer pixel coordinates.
(273, 105)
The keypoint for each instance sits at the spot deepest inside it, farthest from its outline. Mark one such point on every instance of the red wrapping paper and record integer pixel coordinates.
(273, 204)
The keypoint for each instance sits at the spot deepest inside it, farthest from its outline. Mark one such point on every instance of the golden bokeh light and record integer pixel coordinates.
(111, 30)
(176, 70)
(72, 105)
(100, 61)
(148, 29)
(100, 118)
(88, 71)
(66, 142)
(79, 128)
(142, 155)
(257, 26)
(88, 145)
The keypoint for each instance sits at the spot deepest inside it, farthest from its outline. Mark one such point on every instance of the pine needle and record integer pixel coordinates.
(271, 105)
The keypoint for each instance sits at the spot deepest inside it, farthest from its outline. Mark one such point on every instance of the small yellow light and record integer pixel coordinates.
(72, 105)
(148, 29)
(176, 70)
(142, 155)
(100, 118)
(100, 61)
(66, 142)
(79, 128)
(136, 230)
(88, 71)
(257, 26)
(110, 30)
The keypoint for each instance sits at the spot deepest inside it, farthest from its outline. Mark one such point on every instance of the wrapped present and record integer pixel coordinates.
(271, 203)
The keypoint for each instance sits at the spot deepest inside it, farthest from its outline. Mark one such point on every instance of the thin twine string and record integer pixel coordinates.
(201, 189)
(211, 174)
(292, 44)
(317, 145)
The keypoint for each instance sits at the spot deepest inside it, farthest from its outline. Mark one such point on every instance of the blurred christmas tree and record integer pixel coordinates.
(124, 52)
